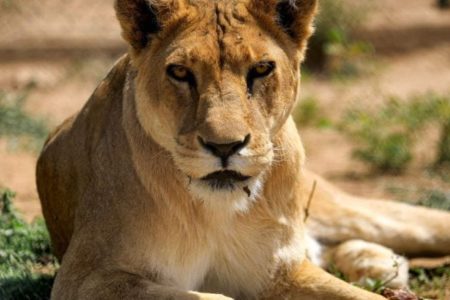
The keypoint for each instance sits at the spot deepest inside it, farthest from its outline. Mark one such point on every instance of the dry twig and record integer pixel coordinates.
(308, 204)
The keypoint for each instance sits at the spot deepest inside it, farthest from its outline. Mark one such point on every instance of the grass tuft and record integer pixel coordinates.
(430, 283)
(332, 48)
(386, 136)
(17, 126)
(26, 264)
(436, 199)
(309, 113)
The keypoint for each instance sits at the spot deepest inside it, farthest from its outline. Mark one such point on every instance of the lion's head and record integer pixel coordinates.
(216, 81)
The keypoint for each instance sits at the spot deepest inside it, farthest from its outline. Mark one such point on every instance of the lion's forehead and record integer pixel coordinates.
(225, 34)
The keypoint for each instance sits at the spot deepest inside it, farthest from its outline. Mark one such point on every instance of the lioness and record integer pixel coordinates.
(183, 176)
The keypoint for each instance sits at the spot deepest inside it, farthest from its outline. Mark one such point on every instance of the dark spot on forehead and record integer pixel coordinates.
(205, 31)
(221, 30)
(230, 18)
(240, 12)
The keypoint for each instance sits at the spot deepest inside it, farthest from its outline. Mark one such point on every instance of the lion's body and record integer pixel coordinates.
(125, 205)
(146, 227)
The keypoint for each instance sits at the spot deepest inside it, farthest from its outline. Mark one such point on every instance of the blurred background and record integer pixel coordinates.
(374, 113)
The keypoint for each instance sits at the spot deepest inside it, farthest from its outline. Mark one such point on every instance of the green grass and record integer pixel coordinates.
(432, 198)
(309, 113)
(425, 283)
(8, 5)
(386, 137)
(17, 126)
(430, 283)
(436, 199)
(26, 264)
(332, 47)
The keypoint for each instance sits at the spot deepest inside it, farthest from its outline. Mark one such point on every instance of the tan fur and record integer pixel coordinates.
(120, 182)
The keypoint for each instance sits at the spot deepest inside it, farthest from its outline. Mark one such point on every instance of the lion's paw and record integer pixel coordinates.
(359, 260)
(206, 296)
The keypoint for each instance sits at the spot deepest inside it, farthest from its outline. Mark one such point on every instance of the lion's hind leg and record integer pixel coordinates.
(359, 261)
(336, 217)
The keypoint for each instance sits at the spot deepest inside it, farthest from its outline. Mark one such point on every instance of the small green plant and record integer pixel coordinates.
(12, 6)
(25, 249)
(334, 270)
(436, 199)
(373, 285)
(430, 283)
(378, 285)
(386, 136)
(442, 111)
(388, 153)
(332, 47)
(309, 113)
(16, 125)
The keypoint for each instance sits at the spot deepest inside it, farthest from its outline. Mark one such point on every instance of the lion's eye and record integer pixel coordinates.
(181, 73)
(262, 69)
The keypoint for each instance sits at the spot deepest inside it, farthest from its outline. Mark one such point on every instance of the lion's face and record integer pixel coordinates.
(213, 88)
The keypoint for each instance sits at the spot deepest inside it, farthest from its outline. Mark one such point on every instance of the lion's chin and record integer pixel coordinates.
(227, 191)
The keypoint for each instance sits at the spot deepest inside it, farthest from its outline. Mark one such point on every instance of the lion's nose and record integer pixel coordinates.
(224, 151)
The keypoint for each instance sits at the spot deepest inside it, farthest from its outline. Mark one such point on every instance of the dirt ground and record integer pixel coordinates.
(65, 47)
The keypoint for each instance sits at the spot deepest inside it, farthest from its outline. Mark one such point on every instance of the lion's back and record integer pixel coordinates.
(64, 165)
(56, 190)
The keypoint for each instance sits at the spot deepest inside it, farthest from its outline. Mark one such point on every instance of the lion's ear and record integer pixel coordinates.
(294, 17)
(140, 19)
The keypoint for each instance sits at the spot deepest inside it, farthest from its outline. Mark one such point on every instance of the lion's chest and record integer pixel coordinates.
(236, 261)
(212, 263)
(177, 267)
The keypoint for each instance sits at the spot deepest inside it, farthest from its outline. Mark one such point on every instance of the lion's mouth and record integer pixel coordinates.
(224, 179)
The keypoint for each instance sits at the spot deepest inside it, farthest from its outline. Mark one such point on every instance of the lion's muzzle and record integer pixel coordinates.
(224, 150)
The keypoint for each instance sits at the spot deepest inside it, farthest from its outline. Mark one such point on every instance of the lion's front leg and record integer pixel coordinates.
(120, 285)
(89, 274)
(308, 282)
